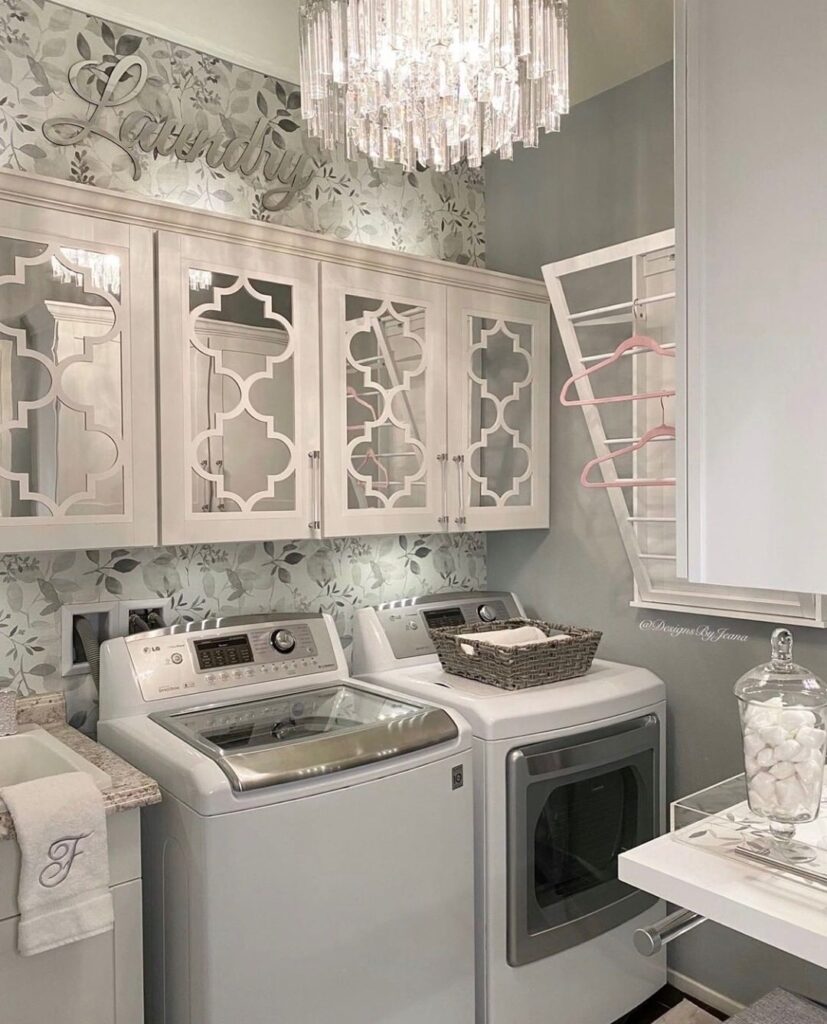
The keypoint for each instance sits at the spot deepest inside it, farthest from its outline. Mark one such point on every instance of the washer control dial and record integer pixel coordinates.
(282, 640)
(487, 612)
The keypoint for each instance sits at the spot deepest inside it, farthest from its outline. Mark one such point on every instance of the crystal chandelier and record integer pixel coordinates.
(433, 82)
(104, 268)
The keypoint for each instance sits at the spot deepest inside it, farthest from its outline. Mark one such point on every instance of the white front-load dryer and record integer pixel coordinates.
(310, 862)
(566, 777)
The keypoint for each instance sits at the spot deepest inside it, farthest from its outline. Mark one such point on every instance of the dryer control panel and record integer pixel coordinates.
(406, 623)
(218, 654)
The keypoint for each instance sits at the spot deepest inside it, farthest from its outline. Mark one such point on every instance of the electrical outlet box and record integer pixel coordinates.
(101, 614)
(146, 608)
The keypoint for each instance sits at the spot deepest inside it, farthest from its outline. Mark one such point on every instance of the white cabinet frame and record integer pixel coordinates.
(181, 524)
(464, 439)
(393, 404)
(136, 525)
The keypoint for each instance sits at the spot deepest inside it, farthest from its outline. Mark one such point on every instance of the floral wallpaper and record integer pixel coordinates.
(333, 576)
(422, 212)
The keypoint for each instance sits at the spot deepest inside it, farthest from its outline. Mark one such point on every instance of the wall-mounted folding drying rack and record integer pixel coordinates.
(615, 312)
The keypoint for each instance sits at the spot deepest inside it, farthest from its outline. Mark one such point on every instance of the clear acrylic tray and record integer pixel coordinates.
(719, 821)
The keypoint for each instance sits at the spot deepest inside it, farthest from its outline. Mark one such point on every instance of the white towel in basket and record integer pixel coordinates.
(519, 637)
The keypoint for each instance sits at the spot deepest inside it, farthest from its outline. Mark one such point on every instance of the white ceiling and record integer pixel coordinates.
(610, 41)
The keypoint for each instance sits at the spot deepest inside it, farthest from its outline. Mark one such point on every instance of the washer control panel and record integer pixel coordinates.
(406, 623)
(170, 663)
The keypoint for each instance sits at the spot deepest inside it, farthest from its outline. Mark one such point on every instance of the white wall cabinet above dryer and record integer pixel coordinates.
(751, 78)
(77, 392)
(383, 378)
(239, 387)
(498, 410)
(435, 404)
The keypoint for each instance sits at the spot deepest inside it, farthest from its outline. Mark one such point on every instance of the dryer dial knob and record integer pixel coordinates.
(283, 641)
(487, 612)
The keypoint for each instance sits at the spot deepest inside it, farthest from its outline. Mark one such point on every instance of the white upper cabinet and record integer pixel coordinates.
(498, 411)
(436, 406)
(77, 383)
(239, 386)
(383, 373)
(752, 250)
(307, 387)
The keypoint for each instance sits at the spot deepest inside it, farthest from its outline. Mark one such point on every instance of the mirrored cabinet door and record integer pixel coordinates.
(383, 339)
(498, 411)
(239, 392)
(77, 410)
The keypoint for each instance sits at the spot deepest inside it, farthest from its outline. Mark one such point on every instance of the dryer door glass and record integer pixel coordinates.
(574, 806)
(581, 828)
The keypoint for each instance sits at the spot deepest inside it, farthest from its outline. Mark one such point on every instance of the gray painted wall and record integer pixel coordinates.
(607, 178)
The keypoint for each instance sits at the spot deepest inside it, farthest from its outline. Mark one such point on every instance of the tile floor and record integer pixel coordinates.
(653, 1009)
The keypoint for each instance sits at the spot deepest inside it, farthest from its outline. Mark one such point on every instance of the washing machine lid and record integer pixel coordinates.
(308, 733)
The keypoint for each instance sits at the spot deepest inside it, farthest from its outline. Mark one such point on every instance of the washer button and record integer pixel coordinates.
(177, 658)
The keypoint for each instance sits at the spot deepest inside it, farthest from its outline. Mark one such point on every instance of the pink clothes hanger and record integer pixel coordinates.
(636, 341)
(354, 394)
(371, 458)
(662, 430)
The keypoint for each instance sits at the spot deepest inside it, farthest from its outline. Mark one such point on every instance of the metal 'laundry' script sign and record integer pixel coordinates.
(284, 171)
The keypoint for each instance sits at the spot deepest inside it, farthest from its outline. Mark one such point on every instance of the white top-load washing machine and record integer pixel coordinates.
(566, 777)
(311, 861)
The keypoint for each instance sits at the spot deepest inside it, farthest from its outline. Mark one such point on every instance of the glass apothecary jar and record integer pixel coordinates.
(783, 709)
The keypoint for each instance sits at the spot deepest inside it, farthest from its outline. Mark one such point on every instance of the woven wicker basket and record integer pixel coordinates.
(516, 668)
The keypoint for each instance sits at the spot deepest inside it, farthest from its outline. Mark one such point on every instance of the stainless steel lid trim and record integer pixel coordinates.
(307, 759)
(312, 757)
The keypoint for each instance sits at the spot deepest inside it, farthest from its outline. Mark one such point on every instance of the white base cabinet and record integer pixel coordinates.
(93, 981)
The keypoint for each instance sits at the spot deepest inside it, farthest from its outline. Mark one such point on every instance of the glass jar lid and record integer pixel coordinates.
(782, 678)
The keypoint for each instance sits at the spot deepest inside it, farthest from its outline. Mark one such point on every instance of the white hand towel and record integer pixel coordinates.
(63, 893)
(518, 637)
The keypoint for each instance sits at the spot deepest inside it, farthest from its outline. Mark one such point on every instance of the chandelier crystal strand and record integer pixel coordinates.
(433, 82)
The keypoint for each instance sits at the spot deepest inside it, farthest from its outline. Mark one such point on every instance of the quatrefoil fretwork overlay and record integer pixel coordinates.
(386, 361)
(500, 376)
(62, 431)
(241, 381)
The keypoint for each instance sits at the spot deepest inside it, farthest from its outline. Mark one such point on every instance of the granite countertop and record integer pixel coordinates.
(130, 788)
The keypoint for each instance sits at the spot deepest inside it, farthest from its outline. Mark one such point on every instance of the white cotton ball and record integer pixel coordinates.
(765, 757)
(751, 766)
(763, 786)
(794, 718)
(809, 771)
(783, 770)
(764, 719)
(788, 750)
(809, 737)
(772, 735)
(791, 796)
(753, 743)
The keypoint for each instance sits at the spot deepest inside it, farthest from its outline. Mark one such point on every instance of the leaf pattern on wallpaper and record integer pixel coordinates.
(421, 212)
(334, 576)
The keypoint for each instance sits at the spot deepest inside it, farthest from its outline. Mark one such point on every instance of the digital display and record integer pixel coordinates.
(444, 617)
(229, 650)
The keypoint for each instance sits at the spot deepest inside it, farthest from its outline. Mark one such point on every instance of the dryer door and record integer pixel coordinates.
(574, 805)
